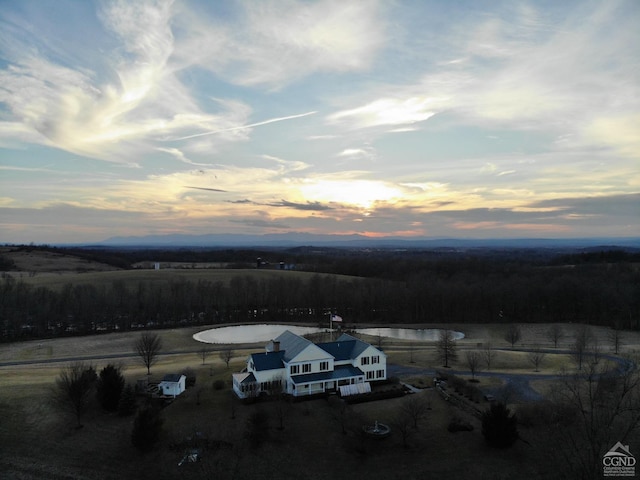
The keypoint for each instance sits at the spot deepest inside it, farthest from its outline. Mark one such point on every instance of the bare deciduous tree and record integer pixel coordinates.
(203, 353)
(473, 362)
(412, 347)
(581, 344)
(148, 346)
(615, 338)
(403, 424)
(281, 407)
(536, 356)
(226, 355)
(513, 334)
(489, 354)
(446, 347)
(596, 350)
(414, 408)
(340, 411)
(74, 387)
(555, 334)
(597, 408)
(233, 404)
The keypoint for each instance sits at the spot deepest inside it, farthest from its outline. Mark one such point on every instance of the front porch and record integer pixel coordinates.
(325, 382)
(245, 385)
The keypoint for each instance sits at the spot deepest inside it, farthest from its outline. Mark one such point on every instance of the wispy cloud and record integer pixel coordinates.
(312, 206)
(243, 127)
(279, 42)
(207, 189)
(416, 118)
(386, 112)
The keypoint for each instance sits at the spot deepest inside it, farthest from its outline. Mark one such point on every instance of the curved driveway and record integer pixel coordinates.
(516, 385)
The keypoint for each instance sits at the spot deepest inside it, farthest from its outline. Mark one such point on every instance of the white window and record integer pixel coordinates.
(324, 366)
(364, 361)
(295, 369)
(375, 359)
(306, 368)
(369, 375)
(379, 373)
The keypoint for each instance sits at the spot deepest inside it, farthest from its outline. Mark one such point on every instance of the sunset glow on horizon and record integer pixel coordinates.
(413, 119)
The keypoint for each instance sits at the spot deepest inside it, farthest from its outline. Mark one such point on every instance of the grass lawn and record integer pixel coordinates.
(321, 439)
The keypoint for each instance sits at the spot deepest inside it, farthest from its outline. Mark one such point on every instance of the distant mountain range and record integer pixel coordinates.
(288, 240)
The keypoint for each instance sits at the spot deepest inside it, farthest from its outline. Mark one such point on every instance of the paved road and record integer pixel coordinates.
(515, 386)
(109, 356)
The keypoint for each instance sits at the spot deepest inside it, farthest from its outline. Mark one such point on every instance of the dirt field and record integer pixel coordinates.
(36, 441)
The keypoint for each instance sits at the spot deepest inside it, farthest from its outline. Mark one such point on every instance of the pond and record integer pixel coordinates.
(263, 333)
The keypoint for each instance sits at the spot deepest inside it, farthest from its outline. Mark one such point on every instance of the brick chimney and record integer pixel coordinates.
(276, 346)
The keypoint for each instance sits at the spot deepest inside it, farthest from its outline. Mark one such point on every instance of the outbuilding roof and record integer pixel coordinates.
(172, 377)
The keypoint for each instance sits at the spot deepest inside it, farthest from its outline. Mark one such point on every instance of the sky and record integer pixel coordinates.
(421, 118)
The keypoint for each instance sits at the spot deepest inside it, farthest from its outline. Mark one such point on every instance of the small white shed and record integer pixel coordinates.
(173, 384)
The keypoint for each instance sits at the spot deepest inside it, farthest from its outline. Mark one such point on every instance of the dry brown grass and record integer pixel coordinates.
(56, 280)
(45, 261)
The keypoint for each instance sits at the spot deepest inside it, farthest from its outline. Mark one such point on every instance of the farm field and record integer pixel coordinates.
(130, 278)
(37, 442)
(32, 261)
(54, 270)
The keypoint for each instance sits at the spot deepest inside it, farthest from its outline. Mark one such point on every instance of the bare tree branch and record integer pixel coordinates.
(148, 346)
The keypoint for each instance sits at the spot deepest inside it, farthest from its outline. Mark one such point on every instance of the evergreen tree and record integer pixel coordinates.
(109, 387)
(499, 426)
(127, 404)
(147, 427)
(257, 431)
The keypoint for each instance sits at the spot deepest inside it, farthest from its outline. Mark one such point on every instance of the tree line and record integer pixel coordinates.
(463, 289)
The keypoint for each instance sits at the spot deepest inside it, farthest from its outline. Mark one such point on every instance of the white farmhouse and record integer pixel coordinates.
(294, 365)
(172, 385)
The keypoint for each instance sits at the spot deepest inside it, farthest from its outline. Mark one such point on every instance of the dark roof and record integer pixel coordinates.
(248, 379)
(344, 371)
(339, 350)
(292, 344)
(358, 347)
(345, 347)
(172, 377)
(267, 360)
